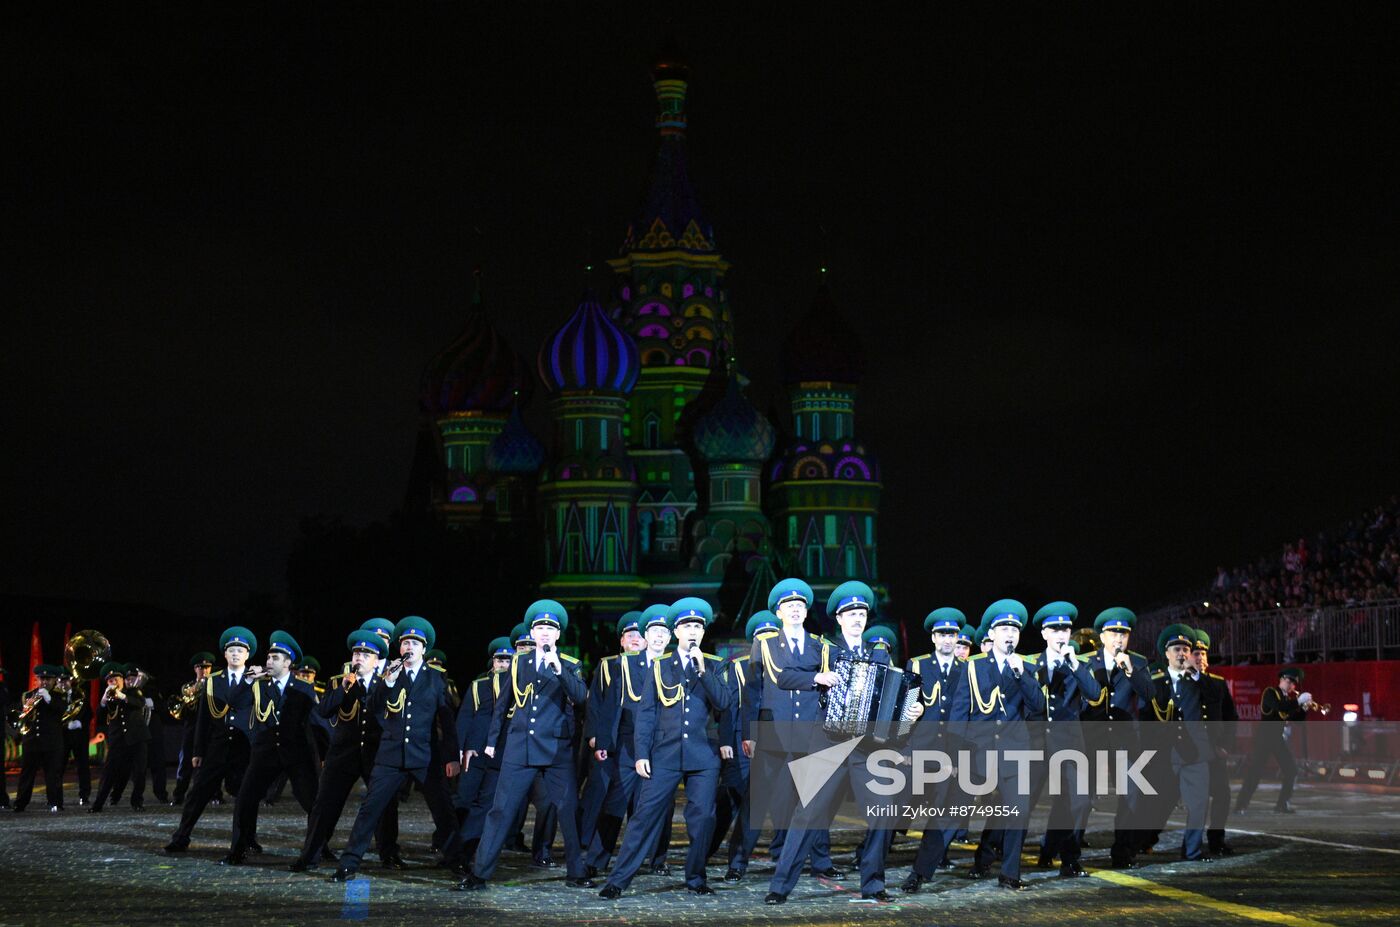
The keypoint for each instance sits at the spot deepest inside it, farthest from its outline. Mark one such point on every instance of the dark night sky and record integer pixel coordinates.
(1126, 286)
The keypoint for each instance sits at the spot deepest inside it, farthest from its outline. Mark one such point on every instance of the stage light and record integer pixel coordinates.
(1349, 718)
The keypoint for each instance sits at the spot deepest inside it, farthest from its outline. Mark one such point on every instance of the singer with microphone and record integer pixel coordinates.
(991, 706)
(536, 711)
(1111, 720)
(672, 745)
(417, 723)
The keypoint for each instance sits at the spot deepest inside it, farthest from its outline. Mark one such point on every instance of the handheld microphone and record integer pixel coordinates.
(547, 649)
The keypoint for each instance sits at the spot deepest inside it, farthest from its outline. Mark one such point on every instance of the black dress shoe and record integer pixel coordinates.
(141, 807)
(1125, 864)
(1015, 885)
(590, 871)
(55, 809)
(1284, 807)
(393, 861)
(255, 848)
(977, 872)
(610, 892)
(95, 809)
(177, 846)
(1223, 850)
(1072, 871)
(733, 875)
(343, 875)
(881, 896)
(472, 883)
(82, 800)
(701, 889)
(1045, 862)
(774, 898)
(911, 884)
(1203, 858)
(234, 859)
(660, 869)
(583, 882)
(299, 865)
(545, 863)
(830, 872)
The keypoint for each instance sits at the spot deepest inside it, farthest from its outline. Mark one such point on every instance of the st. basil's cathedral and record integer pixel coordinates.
(660, 478)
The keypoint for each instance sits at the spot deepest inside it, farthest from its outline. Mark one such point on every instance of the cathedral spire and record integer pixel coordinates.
(671, 76)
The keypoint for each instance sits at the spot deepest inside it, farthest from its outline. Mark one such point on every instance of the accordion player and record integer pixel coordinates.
(870, 699)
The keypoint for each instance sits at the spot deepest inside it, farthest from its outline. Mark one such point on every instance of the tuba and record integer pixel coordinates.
(83, 657)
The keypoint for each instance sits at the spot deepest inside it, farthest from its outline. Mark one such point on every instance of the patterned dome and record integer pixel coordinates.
(515, 449)
(826, 460)
(823, 347)
(589, 352)
(734, 430)
(477, 372)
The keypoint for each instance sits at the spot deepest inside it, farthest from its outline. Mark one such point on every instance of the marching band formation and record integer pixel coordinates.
(662, 714)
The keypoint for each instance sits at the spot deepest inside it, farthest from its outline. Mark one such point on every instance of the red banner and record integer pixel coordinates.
(36, 655)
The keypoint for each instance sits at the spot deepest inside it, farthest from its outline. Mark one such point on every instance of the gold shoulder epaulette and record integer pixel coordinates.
(611, 656)
(764, 635)
(1159, 674)
(665, 656)
(742, 657)
(922, 656)
(565, 656)
(1214, 676)
(977, 656)
(1134, 653)
(710, 656)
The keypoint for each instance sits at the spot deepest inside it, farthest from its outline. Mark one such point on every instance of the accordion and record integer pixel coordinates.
(870, 700)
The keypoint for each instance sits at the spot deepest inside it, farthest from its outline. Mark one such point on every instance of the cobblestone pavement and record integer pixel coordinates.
(78, 868)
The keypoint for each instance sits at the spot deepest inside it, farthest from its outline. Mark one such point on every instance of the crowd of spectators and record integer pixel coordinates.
(1356, 564)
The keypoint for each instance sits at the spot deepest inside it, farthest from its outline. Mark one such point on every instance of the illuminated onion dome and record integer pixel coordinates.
(477, 372)
(826, 460)
(589, 352)
(734, 430)
(515, 449)
(823, 347)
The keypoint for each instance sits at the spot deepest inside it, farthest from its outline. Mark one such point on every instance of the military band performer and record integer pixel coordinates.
(745, 687)
(279, 742)
(480, 773)
(940, 672)
(1218, 711)
(615, 717)
(544, 688)
(602, 767)
(185, 710)
(672, 746)
(1279, 706)
(1111, 720)
(354, 744)
(1068, 685)
(41, 738)
(123, 710)
(77, 719)
(990, 714)
(797, 671)
(1174, 726)
(221, 747)
(406, 746)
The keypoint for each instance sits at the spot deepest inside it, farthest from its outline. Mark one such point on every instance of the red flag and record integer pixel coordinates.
(36, 656)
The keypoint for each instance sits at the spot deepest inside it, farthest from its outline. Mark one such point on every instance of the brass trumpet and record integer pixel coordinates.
(185, 701)
(1319, 707)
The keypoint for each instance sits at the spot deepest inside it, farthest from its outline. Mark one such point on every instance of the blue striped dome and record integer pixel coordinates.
(515, 449)
(589, 352)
